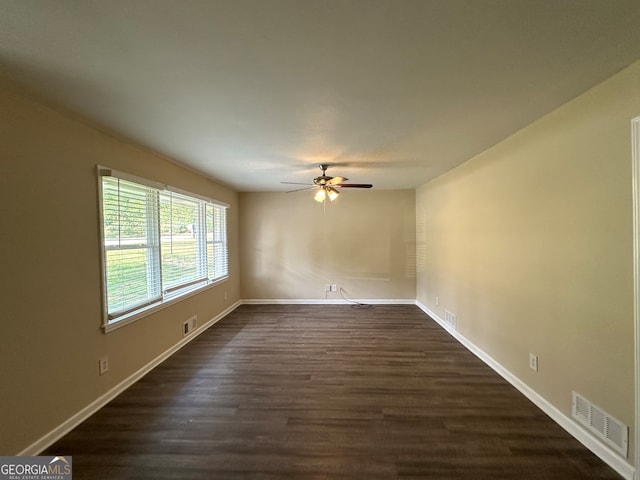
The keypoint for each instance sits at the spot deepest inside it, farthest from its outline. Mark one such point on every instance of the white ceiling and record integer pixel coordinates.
(252, 92)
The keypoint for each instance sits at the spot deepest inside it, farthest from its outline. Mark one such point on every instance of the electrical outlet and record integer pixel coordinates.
(334, 288)
(533, 362)
(225, 294)
(327, 287)
(437, 300)
(103, 365)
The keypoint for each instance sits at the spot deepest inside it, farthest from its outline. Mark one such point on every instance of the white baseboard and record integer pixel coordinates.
(71, 423)
(607, 455)
(327, 301)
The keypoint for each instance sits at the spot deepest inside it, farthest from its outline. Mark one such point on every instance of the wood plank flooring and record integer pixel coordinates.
(324, 392)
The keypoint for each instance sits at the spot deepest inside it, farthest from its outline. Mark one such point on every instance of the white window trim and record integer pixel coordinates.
(168, 299)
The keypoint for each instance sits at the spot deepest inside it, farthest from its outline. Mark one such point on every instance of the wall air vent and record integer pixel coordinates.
(607, 428)
(189, 325)
(450, 318)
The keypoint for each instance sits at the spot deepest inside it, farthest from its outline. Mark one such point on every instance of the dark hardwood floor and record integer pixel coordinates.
(324, 392)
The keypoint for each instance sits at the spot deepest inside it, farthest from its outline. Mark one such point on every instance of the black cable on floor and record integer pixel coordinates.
(355, 304)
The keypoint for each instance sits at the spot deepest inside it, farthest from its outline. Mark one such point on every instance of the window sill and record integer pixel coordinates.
(155, 307)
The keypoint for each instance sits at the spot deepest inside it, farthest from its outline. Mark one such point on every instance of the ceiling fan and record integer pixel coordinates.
(327, 186)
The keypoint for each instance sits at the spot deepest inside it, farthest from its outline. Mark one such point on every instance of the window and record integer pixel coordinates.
(158, 244)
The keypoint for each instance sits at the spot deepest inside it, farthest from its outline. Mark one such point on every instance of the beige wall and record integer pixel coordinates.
(530, 244)
(51, 296)
(364, 242)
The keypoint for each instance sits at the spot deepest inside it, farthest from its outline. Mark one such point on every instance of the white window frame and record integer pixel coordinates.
(113, 320)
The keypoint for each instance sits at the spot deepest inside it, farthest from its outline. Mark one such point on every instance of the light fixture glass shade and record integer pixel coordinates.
(320, 195)
(333, 193)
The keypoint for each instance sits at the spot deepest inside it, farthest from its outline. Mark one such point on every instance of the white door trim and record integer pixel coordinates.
(635, 162)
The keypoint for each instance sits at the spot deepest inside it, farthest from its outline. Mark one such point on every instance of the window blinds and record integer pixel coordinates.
(158, 244)
(131, 245)
(217, 256)
(183, 259)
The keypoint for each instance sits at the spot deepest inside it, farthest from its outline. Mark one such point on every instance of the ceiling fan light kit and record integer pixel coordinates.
(328, 186)
(324, 192)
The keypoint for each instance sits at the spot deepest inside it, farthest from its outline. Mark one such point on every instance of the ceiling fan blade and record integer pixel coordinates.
(295, 183)
(354, 185)
(336, 180)
(300, 189)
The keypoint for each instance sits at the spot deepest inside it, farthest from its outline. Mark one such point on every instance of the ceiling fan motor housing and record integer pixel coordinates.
(322, 180)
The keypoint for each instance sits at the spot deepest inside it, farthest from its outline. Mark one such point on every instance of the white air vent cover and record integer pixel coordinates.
(450, 318)
(189, 325)
(610, 430)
